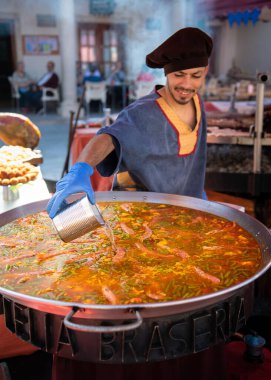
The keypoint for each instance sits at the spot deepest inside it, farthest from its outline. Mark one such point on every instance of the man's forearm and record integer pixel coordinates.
(96, 150)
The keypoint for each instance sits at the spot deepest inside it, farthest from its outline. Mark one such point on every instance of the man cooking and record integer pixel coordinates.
(157, 143)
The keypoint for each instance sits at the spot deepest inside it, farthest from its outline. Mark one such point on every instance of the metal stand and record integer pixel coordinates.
(257, 187)
(258, 134)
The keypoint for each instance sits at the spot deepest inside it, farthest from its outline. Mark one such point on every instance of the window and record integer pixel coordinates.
(102, 44)
(87, 45)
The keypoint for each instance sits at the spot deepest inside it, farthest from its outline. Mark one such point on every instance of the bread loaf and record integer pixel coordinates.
(17, 129)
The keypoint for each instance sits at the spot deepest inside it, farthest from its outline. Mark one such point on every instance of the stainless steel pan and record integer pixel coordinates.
(261, 233)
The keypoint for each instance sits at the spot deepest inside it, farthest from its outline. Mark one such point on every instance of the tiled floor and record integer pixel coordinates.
(53, 144)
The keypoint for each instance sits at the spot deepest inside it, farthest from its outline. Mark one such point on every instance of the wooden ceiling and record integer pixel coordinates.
(220, 8)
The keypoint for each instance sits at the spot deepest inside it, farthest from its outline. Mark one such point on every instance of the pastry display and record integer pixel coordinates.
(11, 153)
(14, 173)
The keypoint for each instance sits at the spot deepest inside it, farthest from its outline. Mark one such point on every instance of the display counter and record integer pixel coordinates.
(20, 195)
(10, 344)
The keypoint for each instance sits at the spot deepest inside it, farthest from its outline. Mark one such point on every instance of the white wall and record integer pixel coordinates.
(226, 48)
(24, 13)
(254, 52)
(36, 65)
(141, 40)
(135, 14)
(249, 46)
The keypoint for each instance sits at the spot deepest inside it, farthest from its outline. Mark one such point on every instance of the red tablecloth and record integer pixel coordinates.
(240, 369)
(81, 138)
(210, 107)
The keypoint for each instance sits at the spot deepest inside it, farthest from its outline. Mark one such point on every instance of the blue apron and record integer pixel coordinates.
(155, 150)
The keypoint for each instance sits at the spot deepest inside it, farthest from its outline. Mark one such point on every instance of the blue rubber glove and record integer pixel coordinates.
(76, 181)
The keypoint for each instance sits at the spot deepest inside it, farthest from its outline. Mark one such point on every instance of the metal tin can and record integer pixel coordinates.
(77, 219)
(10, 193)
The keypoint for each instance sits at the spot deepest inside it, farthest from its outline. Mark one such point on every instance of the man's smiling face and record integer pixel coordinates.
(183, 85)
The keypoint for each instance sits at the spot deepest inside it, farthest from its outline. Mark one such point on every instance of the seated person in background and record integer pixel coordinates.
(92, 74)
(117, 75)
(23, 82)
(49, 79)
(115, 80)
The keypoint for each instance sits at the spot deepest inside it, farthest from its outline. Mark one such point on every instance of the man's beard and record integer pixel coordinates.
(184, 100)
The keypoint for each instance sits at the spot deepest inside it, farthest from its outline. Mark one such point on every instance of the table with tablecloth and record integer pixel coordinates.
(81, 137)
(117, 95)
(241, 107)
(10, 344)
(32, 191)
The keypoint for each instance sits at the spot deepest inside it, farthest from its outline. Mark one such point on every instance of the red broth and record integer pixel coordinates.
(163, 253)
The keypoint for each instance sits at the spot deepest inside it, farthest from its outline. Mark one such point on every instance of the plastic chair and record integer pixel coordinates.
(95, 91)
(48, 95)
(14, 92)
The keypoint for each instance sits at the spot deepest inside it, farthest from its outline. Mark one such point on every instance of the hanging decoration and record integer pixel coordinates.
(245, 17)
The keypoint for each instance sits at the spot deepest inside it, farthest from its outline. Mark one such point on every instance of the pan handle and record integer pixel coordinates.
(102, 329)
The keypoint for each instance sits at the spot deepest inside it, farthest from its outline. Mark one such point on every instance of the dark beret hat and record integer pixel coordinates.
(185, 49)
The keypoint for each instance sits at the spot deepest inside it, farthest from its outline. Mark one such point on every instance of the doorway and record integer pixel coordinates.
(7, 59)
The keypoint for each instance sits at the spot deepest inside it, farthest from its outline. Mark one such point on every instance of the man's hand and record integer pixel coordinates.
(76, 181)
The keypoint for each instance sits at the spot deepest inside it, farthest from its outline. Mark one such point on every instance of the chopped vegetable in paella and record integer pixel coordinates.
(160, 253)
